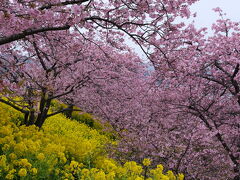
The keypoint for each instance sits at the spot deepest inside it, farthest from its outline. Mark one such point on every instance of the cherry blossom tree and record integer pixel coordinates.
(188, 116)
(200, 82)
(138, 19)
(43, 30)
(37, 29)
(185, 114)
(52, 72)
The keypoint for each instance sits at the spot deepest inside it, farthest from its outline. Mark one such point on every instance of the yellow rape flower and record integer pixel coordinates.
(20, 148)
(12, 156)
(25, 163)
(12, 171)
(40, 156)
(34, 171)
(180, 176)
(160, 167)
(6, 130)
(133, 167)
(3, 161)
(9, 176)
(57, 171)
(171, 175)
(62, 157)
(100, 176)
(110, 176)
(74, 164)
(107, 165)
(6, 147)
(22, 172)
(94, 170)
(139, 178)
(165, 177)
(85, 172)
(146, 162)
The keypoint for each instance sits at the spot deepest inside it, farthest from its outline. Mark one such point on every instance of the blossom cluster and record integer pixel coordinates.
(64, 149)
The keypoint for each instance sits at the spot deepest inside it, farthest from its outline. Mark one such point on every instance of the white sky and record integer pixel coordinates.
(206, 16)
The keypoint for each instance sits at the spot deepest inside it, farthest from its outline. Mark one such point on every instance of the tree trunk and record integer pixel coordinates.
(26, 115)
(29, 117)
(69, 112)
(32, 117)
(42, 116)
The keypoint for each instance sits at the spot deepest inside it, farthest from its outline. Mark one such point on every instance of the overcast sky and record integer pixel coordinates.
(205, 15)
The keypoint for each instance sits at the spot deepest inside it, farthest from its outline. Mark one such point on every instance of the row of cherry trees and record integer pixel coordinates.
(184, 113)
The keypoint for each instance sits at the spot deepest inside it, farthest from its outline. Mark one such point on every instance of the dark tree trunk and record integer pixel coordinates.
(69, 112)
(29, 117)
(44, 108)
(32, 117)
(26, 115)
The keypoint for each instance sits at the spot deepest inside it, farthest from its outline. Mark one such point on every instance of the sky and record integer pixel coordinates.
(206, 16)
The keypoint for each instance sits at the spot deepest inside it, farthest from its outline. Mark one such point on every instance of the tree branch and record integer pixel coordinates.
(48, 6)
(61, 111)
(234, 82)
(236, 70)
(29, 32)
(13, 106)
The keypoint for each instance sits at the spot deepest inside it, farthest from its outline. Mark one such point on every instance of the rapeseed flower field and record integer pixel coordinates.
(64, 149)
